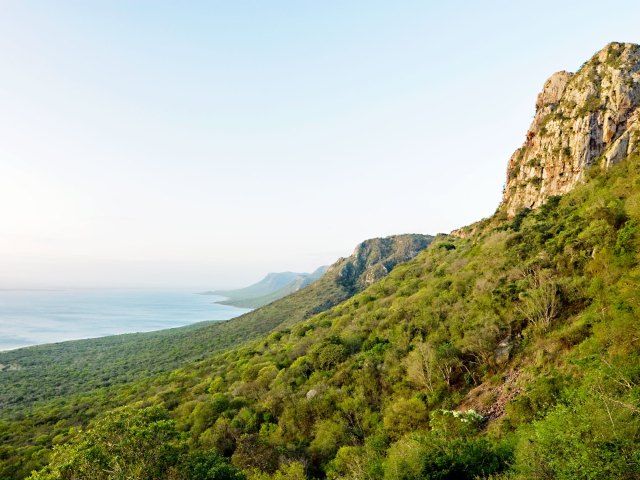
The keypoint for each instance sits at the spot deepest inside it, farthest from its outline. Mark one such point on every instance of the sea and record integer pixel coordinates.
(33, 317)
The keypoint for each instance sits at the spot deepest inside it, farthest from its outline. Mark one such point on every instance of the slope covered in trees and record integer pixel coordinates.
(53, 389)
(511, 352)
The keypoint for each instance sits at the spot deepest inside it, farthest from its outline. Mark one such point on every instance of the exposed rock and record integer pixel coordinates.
(373, 259)
(311, 394)
(491, 400)
(11, 367)
(503, 350)
(461, 232)
(581, 119)
(618, 150)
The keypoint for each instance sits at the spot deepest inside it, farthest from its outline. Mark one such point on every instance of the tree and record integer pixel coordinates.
(134, 444)
(540, 304)
(405, 415)
(128, 443)
(448, 361)
(420, 366)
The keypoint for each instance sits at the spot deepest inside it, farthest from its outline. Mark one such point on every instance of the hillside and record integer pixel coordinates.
(511, 352)
(271, 288)
(84, 365)
(75, 380)
(506, 351)
(371, 260)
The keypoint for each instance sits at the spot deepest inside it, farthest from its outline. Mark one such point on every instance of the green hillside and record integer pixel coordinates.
(511, 352)
(372, 260)
(52, 389)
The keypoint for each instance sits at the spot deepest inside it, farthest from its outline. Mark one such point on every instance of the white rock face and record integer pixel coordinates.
(581, 119)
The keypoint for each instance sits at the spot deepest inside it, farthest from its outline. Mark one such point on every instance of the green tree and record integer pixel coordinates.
(128, 443)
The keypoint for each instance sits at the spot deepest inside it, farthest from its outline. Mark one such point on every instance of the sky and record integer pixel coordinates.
(204, 144)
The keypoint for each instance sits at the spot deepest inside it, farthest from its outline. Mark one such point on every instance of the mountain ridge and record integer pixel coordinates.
(371, 260)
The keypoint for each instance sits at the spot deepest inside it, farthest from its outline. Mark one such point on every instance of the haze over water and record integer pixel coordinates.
(32, 317)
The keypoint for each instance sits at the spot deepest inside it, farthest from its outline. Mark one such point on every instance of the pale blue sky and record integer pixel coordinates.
(204, 144)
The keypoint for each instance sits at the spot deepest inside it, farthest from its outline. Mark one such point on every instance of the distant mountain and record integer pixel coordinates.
(372, 260)
(271, 288)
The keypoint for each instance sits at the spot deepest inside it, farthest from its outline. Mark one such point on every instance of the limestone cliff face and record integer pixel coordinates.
(583, 118)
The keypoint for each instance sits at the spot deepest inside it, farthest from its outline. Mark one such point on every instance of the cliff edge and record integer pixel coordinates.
(582, 119)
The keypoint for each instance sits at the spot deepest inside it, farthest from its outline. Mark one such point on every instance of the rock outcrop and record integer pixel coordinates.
(373, 259)
(582, 119)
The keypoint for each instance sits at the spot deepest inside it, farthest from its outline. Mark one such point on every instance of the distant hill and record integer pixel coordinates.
(271, 288)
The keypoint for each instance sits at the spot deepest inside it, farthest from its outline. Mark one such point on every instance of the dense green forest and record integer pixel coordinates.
(507, 351)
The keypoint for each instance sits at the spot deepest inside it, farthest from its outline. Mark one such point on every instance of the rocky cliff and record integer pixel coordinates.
(373, 259)
(582, 119)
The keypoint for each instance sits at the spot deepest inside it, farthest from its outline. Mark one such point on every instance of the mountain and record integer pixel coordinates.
(374, 259)
(371, 260)
(271, 288)
(508, 351)
(582, 119)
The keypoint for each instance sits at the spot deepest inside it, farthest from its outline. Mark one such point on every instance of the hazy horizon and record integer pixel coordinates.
(203, 145)
(36, 317)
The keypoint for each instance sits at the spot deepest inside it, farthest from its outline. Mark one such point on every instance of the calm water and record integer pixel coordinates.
(31, 317)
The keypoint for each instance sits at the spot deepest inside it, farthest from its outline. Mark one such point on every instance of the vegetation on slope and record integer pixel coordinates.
(530, 321)
(44, 372)
(58, 388)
